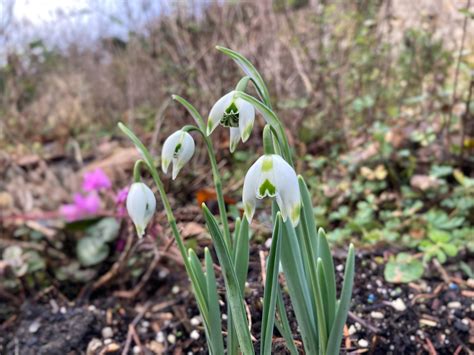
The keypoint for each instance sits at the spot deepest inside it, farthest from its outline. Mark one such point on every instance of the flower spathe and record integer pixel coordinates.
(272, 176)
(141, 204)
(235, 113)
(177, 149)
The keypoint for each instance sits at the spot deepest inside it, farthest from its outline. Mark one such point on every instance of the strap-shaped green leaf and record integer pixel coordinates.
(192, 111)
(241, 254)
(198, 273)
(283, 324)
(298, 288)
(270, 292)
(234, 295)
(249, 70)
(321, 290)
(335, 336)
(308, 215)
(330, 276)
(215, 333)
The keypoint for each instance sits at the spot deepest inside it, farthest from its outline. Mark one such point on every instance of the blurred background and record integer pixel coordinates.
(377, 97)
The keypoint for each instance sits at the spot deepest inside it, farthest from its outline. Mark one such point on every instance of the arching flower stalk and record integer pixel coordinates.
(177, 149)
(272, 176)
(235, 113)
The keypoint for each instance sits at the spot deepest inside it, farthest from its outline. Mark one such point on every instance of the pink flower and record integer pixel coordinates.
(120, 199)
(96, 180)
(83, 206)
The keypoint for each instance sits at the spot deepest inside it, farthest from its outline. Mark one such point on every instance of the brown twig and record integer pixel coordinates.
(364, 323)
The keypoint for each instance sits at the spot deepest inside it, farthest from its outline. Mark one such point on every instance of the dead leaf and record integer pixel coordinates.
(424, 182)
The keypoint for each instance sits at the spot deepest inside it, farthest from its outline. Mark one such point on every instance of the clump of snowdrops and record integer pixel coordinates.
(297, 245)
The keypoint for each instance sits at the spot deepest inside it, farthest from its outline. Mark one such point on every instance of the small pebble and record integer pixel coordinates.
(340, 267)
(136, 349)
(163, 273)
(377, 315)
(453, 286)
(93, 346)
(396, 292)
(145, 323)
(171, 338)
(107, 341)
(363, 343)
(34, 326)
(194, 334)
(352, 329)
(160, 337)
(195, 321)
(268, 243)
(454, 305)
(175, 289)
(62, 310)
(399, 305)
(107, 333)
(371, 298)
(358, 326)
(461, 326)
(224, 316)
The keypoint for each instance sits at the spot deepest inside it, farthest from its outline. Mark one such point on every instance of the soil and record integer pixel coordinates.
(431, 316)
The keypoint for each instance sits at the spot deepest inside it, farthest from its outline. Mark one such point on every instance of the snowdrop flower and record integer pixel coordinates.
(178, 149)
(235, 113)
(272, 176)
(141, 204)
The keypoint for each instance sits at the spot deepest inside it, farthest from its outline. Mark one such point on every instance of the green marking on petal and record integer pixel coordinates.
(248, 210)
(267, 189)
(231, 116)
(267, 164)
(177, 148)
(209, 126)
(295, 213)
(247, 131)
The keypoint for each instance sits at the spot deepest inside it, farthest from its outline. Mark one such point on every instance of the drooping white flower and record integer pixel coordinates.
(141, 204)
(235, 113)
(272, 176)
(177, 149)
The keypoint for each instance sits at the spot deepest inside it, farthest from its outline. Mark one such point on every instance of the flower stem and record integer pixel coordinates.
(136, 170)
(217, 182)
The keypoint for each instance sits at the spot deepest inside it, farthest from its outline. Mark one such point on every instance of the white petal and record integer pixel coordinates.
(217, 112)
(185, 153)
(288, 191)
(141, 204)
(249, 193)
(246, 118)
(168, 150)
(234, 138)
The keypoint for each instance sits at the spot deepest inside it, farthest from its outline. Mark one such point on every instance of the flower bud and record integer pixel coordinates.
(141, 204)
(177, 149)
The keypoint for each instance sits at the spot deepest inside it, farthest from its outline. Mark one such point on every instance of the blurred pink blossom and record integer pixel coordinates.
(83, 206)
(96, 180)
(120, 200)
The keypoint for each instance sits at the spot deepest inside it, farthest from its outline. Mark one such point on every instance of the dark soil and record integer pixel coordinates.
(432, 316)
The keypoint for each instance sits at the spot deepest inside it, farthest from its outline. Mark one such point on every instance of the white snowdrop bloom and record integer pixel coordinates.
(272, 176)
(141, 204)
(235, 113)
(177, 149)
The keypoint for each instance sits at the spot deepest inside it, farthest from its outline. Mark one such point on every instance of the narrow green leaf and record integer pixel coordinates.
(320, 312)
(213, 305)
(249, 70)
(270, 291)
(241, 252)
(335, 336)
(308, 215)
(197, 271)
(283, 324)
(234, 295)
(192, 110)
(298, 288)
(330, 276)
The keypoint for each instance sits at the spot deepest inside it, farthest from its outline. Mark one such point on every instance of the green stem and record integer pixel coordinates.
(267, 140)
(217, 182)
(136, 170)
